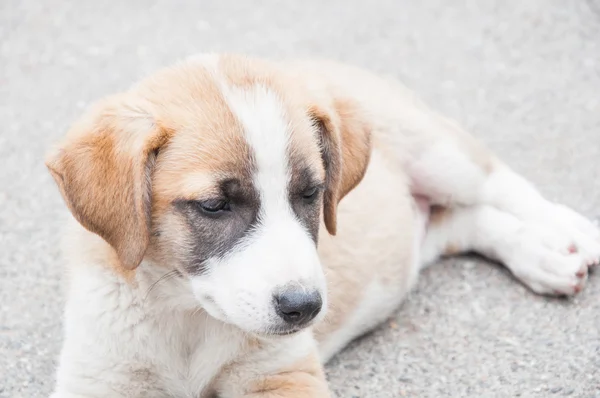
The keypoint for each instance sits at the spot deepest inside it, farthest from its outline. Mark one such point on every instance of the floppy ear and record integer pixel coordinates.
(103, 171)
(345, 142)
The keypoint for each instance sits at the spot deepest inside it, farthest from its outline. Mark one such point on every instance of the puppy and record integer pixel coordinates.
(237, 222)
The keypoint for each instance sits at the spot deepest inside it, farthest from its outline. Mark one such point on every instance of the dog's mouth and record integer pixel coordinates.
(286, 331)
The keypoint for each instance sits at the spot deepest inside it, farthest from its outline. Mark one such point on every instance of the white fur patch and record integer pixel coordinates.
(279, 251)
(446, 176)
(263, 117)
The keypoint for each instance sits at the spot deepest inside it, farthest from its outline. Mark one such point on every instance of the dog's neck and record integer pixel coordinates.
(153, 305)
(156, 289)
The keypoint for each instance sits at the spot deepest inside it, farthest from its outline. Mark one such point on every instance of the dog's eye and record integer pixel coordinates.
(214, 205)
(310, 194)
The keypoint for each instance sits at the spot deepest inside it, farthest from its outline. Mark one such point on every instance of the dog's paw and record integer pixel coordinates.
(585, 236)
(551, 259)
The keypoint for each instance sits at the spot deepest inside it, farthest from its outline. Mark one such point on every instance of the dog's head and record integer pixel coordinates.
(219, 168)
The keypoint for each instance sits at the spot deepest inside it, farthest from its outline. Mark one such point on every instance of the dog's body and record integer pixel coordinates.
(417, 187)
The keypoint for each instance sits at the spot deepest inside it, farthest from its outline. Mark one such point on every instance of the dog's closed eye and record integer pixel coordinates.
(213, 206)
(311, 194)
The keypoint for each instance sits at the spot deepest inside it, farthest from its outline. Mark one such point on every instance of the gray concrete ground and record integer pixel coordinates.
(524, 76)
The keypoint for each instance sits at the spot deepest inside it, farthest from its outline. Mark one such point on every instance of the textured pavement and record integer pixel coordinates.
(524, 76)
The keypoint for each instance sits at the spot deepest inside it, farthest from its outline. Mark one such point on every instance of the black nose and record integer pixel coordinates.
(297, 306)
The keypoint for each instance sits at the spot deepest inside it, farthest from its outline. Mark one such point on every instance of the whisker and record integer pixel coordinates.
(164, 277)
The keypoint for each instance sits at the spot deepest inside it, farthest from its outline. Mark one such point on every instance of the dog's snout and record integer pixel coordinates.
(297, 306)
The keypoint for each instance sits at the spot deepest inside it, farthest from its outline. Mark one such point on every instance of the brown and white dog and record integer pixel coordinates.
(214, 255)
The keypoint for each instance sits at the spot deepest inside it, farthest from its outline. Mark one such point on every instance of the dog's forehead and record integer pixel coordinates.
(269, 105)
(233, 120)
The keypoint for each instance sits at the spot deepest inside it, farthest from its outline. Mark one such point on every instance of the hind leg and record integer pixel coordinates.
(543, 259)
(450, 168)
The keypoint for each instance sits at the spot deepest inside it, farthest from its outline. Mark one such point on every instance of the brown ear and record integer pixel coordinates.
(346, 149)
(103, 172)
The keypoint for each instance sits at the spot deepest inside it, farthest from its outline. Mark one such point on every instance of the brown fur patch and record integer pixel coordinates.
(305, 379)
(104, 168)
(346, 150)
(101, 171)
(245, 72)
(209, 146)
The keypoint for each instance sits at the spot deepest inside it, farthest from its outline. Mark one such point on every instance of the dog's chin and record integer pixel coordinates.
(282, 331)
